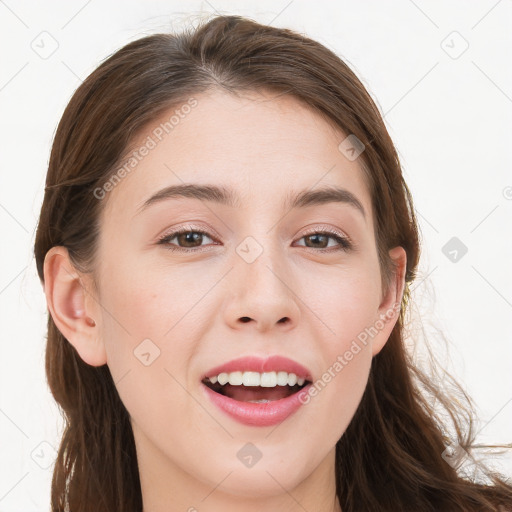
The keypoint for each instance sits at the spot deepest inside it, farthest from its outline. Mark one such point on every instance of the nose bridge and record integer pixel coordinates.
(260, 270)
(260, 291)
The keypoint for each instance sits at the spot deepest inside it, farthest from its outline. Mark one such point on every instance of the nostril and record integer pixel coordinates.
(245, 319)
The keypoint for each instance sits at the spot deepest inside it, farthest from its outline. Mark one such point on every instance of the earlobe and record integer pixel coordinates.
(67, 301)
(389, 308)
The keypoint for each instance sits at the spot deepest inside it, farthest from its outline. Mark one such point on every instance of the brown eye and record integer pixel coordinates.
(190, 238)
(321, 240)
(317, 240)
(185, 239)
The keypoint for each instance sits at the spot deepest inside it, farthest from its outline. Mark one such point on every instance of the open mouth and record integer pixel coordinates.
(254, 394)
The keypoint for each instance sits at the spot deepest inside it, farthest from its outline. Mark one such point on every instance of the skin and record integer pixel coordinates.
(190, 305)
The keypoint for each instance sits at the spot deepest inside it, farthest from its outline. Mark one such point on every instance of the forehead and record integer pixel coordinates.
(264, 146)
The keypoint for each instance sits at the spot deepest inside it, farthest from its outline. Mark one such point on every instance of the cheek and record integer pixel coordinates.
(145, 332)
(143, 302)
(345, 301)
(347, 308)
(337, 392)
(141, 314)
(151, 323)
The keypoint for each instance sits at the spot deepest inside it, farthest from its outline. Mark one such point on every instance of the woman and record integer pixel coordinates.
(226, 245)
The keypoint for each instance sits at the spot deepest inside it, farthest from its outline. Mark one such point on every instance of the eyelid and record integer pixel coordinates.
(190, 227)
(326, 229)
(345, 243)
(207, 230)
(317, 229)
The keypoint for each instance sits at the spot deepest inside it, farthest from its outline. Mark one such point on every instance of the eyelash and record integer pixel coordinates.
(345, 243)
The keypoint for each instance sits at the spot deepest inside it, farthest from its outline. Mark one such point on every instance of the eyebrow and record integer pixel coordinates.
(226, 196)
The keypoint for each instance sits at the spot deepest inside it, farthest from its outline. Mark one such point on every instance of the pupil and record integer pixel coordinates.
(191, 237)
(316, 237)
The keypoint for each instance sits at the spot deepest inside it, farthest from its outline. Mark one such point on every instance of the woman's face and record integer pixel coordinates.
(255, 277)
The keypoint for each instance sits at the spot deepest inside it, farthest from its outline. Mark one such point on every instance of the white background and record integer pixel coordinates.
(450, 119)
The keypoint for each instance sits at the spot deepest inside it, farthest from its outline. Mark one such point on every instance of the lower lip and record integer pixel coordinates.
(258, 414)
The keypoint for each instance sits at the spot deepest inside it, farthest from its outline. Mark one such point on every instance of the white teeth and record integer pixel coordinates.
(265, 379)
(268, 380)
(223, 378)
(282, 379)
(251, 379)
(236, 378)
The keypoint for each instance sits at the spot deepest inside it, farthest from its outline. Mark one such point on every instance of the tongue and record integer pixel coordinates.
(247, 393)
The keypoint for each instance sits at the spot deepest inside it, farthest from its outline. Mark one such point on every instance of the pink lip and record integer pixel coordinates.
(258, 415)
(256, 364)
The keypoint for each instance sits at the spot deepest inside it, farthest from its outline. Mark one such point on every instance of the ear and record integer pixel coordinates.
(389, 308)
(74, 310)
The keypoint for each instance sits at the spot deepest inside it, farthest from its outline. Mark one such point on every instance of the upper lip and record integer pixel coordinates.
(274, 363)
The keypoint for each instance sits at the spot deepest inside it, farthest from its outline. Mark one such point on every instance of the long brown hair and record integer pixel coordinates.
(392, 456)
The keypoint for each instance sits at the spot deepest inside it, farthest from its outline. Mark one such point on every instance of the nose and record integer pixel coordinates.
(261, 294)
